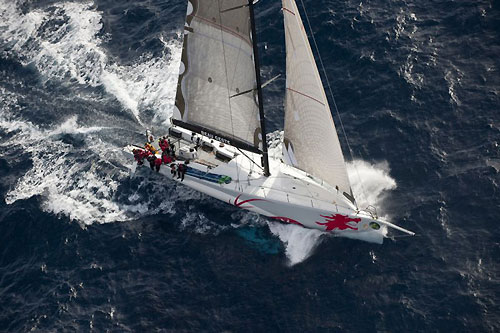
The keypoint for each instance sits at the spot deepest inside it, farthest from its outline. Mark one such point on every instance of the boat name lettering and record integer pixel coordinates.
(216, 137)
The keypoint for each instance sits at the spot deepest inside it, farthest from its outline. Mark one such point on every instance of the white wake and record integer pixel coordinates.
(370, 183)
(65, 43)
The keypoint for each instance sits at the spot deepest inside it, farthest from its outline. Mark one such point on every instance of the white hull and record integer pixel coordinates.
(288, 195)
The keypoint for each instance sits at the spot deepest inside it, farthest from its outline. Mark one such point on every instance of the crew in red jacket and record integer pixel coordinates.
(138, 156)
(158, 164)
(166, 158)
(163, 143)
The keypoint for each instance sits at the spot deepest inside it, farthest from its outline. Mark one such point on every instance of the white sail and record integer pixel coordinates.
(216, 95)
(311, 142)
(217, 64)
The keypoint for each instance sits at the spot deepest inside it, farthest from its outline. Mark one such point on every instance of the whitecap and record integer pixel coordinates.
(299, 242)
(73, 52)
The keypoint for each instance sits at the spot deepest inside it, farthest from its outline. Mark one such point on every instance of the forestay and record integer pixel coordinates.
(217, 64)
(311, 142)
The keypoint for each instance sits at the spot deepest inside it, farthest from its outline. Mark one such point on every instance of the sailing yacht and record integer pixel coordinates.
(218, 126)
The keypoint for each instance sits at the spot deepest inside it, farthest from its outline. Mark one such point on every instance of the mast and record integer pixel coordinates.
(265, 158)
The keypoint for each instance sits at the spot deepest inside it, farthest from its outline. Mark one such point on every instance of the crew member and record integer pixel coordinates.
(166, 159)
(163, 143)
(152, 160)
(181, 170)
(150, 147)
(138, 156)
(172, 151)
(157, 164)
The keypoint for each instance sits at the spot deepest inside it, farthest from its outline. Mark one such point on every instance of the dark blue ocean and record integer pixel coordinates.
(87, 245)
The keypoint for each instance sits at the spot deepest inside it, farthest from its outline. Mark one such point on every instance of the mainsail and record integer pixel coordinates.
(311, 142)
(216, 91)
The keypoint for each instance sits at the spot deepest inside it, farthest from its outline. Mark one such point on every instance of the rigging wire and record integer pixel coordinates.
(333, 97)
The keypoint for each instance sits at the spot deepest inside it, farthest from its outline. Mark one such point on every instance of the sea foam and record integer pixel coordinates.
(369, 183)
(66, 45)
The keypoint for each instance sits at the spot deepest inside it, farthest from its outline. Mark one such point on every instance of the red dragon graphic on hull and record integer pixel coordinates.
(338, 221)
(287, 220)
(241, 203)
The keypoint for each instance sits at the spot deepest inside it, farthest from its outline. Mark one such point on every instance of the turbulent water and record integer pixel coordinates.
(87, 245)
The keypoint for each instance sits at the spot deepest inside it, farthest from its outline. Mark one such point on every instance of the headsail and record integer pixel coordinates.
(217, 65)
(311, 141)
